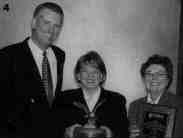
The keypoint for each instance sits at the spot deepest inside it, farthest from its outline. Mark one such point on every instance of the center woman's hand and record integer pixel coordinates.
(134, 131)
(69, 131)
(108, 131)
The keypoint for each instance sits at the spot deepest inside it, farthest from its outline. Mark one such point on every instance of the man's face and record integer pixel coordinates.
(46, 27)
(156, 79)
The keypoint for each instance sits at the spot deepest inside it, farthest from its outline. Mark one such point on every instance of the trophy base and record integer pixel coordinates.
(82, 132)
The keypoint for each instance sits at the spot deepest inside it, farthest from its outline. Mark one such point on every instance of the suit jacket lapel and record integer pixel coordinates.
(59, 70)
(81, 98)
(144, 99)
(32, 66)
(102, 98)
(164, 100)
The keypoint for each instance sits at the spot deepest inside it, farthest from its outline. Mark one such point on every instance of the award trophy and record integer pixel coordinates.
(89, 130)
(158, 121)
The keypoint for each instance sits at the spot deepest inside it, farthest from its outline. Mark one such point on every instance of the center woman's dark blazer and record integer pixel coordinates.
(22, 92)
(111, 111)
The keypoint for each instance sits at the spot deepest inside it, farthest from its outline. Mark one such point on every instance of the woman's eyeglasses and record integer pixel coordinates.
(158, 75)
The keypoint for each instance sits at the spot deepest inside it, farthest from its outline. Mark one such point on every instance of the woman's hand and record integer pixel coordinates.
(69, 131)
(134, 131)
(107, 130)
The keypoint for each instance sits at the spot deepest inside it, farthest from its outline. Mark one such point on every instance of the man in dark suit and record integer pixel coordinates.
(23, 80)
(92, 106)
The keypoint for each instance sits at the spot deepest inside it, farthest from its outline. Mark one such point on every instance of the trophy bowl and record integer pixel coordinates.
(90, 129)
(88, 132)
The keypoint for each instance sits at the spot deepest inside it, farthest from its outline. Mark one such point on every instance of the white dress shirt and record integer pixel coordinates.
(151, 101)
(38, 57)
(91, 99)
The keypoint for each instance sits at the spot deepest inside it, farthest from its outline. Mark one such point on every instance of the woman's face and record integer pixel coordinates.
(156, 79)
(90, 77)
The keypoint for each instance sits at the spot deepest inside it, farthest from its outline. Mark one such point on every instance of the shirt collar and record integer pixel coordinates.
(149, 99)
(36, 49)
(95, 95)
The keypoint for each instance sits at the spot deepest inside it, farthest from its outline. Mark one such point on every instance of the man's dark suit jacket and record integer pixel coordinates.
(111, 113)
(167, 99)
(20, 82)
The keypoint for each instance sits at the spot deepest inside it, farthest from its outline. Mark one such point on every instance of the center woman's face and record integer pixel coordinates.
(156, 78)
(90, 77)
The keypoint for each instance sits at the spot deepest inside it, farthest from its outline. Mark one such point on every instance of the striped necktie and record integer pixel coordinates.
(47, 78)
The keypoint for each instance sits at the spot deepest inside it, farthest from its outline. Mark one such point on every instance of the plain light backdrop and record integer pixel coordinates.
(124, 32)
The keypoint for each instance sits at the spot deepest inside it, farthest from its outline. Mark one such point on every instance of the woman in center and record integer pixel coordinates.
(90, 105)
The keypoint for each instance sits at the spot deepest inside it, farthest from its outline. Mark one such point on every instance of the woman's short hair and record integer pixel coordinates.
(164, 61)
(94, 59)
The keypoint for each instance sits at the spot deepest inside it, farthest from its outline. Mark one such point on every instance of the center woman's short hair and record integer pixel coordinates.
(94, 59)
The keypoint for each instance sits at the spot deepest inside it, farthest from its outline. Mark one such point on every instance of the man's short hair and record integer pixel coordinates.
(49, 5)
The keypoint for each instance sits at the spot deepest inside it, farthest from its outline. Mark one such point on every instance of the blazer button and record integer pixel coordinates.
(32, 100)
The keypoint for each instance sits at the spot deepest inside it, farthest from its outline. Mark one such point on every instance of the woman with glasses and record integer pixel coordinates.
(157, 76)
